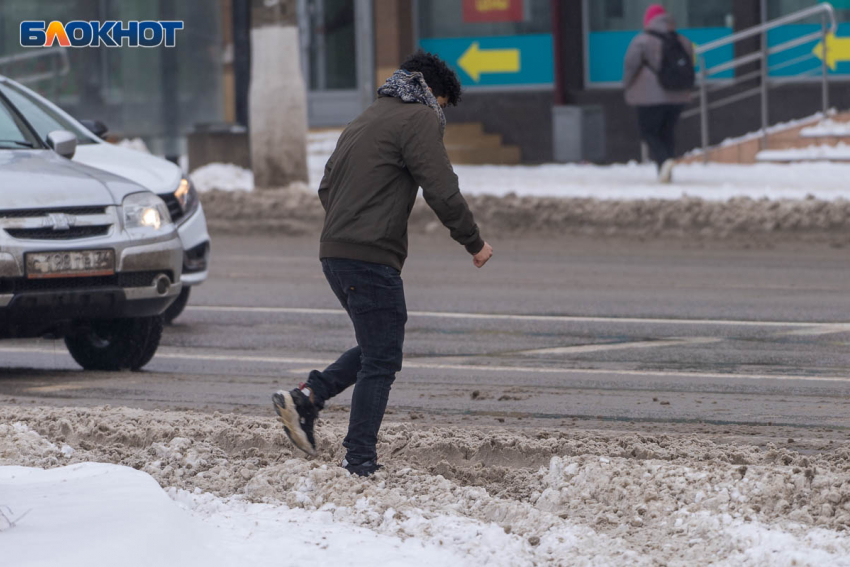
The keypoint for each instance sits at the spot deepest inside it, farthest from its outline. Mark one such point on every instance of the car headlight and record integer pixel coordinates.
(186, 195)
(145, 213)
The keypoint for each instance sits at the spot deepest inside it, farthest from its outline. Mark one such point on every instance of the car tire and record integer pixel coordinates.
(116, 344)
(175, 309)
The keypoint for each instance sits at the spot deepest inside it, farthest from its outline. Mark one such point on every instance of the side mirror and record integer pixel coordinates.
(96, 127)
(63, 143)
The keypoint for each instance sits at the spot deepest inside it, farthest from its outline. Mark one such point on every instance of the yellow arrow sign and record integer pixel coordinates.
(837, 49)
(476, 61)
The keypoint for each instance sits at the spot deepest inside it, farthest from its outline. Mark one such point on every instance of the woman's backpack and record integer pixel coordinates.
(677, 68)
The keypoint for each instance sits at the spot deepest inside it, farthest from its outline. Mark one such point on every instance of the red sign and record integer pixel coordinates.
(481, 11)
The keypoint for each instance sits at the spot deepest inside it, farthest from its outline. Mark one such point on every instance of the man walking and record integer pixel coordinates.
(368, 190)
(658, 74)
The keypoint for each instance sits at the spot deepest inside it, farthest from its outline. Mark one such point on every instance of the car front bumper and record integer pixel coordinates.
(29, 307)
(196, 243)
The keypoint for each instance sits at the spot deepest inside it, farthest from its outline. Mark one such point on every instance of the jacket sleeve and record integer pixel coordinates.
(425, 157)
(325, 185)
(633, 62)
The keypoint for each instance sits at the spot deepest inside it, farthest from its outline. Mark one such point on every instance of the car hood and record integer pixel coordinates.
(152, 173)
(33, 179)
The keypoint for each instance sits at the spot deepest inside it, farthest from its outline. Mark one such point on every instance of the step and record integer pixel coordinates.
(479, 141)
(505, 155)
(465, 129)
(836, 153)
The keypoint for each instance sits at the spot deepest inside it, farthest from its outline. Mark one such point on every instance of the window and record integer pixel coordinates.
(45, 120)
(611, 15)
(13, 134)
(446, 18)
(614, 24)
(779, 8)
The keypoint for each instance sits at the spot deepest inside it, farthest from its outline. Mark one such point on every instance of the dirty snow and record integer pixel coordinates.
(483, 496)
(222, 176)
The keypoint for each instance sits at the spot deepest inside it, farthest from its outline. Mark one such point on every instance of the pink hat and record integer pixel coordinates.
(653, 12)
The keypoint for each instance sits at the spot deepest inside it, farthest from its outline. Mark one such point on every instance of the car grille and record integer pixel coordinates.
(29, 213)
(174, 208)
(50, 234)
(127, 279)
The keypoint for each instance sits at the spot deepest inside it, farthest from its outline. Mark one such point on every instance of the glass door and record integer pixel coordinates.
(336, 41)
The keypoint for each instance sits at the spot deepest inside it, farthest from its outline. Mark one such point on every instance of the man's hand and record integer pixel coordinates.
(481, 258)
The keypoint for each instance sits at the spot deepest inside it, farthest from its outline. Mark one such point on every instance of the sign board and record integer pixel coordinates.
(806, 58)
(485, 11)
(502, 61)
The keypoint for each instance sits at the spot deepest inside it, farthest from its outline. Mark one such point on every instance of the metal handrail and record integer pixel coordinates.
(825, 8)
(829, 25)
(59, 52)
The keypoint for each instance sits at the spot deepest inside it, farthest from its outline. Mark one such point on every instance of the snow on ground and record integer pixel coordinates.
(827, 128)
(713, 182)
(490, 496)
(819, 152)
(224, 177)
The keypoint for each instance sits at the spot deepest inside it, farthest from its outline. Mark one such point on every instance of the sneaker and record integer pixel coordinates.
(666, 173)
(298, 414)
(367, 468)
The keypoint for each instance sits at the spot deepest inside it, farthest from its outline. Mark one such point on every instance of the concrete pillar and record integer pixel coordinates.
(278, 98)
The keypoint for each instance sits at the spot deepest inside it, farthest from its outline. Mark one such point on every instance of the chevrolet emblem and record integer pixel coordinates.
(59, 221)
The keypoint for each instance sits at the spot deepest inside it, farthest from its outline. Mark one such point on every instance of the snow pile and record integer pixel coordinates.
(820, 152)
(827, 128)
(223, 177)
(134, 144)
(477, 496)
(100, 515)
(94, 513)
(775, 129)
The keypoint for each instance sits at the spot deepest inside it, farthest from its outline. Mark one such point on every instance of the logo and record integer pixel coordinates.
(110, 33)
(60, 221)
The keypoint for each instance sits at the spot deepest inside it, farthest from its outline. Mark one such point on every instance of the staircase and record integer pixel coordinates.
(468, 144)
(812, 139)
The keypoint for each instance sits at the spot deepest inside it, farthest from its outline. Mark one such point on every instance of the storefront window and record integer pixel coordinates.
(779, 8)
(614, 23)
(611, 15)
(460, 18)
(157, 94)
(333, 63)
(491, 43)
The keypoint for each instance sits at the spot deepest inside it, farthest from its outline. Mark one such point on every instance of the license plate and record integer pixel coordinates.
(71, 263)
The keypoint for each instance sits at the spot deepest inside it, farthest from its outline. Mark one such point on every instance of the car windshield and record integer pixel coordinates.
(14, 135)
(43, 118)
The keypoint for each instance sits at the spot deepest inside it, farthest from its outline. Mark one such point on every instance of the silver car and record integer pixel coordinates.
(85, 255)
(156, 174)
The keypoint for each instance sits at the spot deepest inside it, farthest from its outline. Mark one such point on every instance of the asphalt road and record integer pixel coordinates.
(659, 335)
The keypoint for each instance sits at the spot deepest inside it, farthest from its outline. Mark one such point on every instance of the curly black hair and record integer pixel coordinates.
(438, 75)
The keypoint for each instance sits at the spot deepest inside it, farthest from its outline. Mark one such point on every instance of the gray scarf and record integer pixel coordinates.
(411, 87)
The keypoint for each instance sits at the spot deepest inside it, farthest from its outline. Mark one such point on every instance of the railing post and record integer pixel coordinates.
(703, 105)
(824, 66)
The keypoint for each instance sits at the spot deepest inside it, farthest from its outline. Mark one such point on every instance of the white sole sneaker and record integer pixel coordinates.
(666, 173)
(284, 405)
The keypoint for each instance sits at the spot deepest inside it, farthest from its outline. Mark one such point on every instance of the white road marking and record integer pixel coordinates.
(580, 349)
(818, 331)
(502, 317)
(413, 364)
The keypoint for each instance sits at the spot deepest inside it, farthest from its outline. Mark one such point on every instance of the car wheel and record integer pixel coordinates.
(116, 344)
(175, 309)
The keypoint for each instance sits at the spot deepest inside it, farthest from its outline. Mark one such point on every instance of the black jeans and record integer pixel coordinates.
(657, 125)
(373, 297)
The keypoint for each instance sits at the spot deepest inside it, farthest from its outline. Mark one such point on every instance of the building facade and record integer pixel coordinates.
(520, 62)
